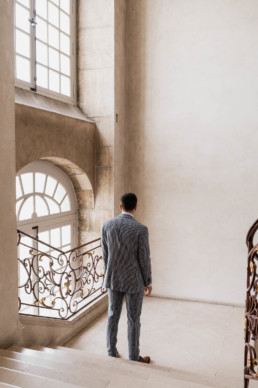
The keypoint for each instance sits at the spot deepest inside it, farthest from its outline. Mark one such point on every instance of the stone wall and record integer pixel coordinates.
(67, 142)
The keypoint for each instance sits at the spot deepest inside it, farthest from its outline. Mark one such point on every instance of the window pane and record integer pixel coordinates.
(43, 236)
(64, 43)
(18, 188)
(54, 253)
(41, 207)
(25, 251)
(39, 182)
(22, 18)
(54, 81)
(27, 209)
(42, 76)
(41, 8)
(22, 43)
(53, 206)
(65, 86)
(53, 14)
(65, 5)
(18, 204)
(23, 69)
(54, 59)
(66, 234)
(65, 207)
(65, 64)
(60, 193)
(27, 182)
(53, 34)
(64, 22)
(41, 53)
(55, 237)
(56, 2)
(41, 30)
(51, 185)
(26, 3)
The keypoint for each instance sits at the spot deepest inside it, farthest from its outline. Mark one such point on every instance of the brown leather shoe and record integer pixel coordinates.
(145, 359)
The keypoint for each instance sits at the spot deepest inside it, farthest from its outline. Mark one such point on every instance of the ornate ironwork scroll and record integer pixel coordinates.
(58, 284)
(251, 309)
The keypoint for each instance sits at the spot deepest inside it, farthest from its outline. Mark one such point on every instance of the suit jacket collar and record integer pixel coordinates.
(127, 215)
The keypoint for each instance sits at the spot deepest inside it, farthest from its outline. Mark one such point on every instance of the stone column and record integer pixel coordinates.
(8, 246)
(120, 104)
(96, 98)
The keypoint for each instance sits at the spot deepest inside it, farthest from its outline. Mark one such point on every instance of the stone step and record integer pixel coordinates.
(118, 380)
(154, 371)
(4, 385)
(26, 380)
(55, 373)
(111, 366)
(159, 370)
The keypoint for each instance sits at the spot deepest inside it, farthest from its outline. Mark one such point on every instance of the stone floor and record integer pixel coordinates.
(193, 337)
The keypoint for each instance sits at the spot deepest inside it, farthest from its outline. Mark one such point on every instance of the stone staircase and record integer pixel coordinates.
(59, 367)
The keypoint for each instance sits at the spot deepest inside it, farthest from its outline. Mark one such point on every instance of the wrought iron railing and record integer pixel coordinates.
(251, 309)
(57, 284)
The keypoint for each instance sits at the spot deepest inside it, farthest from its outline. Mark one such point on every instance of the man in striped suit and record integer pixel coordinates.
(127, 264)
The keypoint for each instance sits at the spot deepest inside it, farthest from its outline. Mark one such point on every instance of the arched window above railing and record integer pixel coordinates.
(42, 190)
(46, 205)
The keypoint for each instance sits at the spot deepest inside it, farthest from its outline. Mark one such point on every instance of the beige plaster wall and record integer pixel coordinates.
(192, 123)
(96, 94)
(8, 257)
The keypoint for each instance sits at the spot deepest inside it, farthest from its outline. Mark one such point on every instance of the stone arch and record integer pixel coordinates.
(84, 195)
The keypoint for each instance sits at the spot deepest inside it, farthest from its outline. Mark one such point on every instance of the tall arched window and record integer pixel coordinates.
(46, 205)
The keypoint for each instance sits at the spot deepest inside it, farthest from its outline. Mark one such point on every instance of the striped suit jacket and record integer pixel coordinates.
(126, 254)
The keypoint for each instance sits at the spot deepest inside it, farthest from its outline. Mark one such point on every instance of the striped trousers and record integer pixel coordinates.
(134, 308)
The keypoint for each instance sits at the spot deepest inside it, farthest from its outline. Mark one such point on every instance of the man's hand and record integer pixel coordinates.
(148, 290)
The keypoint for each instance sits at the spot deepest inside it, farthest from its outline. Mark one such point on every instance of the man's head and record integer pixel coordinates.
(128, 202)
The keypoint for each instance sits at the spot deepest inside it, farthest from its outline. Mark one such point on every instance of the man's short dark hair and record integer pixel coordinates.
(128, 201)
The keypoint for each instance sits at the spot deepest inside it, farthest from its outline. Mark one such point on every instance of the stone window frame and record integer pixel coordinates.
(32, 86)
(46, 223)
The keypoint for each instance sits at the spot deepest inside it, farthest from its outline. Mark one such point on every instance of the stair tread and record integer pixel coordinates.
(62, 374)
(54, 361)
(119, 381)
(139, 368)
(24, 380)
(110, 365)
(116, 382)
(5, 385)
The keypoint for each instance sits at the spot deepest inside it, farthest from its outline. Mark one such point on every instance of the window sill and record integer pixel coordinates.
(34, 100)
